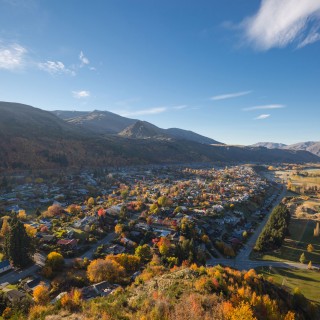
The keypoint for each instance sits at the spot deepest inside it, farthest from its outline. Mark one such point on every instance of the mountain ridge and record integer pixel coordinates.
(310, 146)
(106, 122)
(31, 138)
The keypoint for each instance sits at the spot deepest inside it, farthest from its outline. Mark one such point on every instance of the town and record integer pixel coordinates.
(178, 215)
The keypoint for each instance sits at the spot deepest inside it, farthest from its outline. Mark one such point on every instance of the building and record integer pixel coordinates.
(5, 266)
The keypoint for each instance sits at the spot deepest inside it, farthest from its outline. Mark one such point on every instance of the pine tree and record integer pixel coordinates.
(18, 244)
(38, 212)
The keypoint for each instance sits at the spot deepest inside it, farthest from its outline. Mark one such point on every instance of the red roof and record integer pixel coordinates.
(67, 242)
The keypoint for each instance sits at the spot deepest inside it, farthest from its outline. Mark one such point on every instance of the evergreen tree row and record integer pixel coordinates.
(275, 230)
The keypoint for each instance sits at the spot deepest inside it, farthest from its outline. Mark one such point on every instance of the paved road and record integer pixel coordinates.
(88, 254)
(242, 260)
(245, 252)
(15, 276)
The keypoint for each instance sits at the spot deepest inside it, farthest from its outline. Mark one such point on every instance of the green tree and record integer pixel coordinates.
(38, 212)
(18, 246)
(302, 258)
(144, 253)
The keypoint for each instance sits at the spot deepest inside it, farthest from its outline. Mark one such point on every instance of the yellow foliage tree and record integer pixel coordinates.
(31, 231)
(5, 227)
(22, 215)
(118, 229)
(41, 294)
(105, 270)
(290, 316)
(129, 262)
(72, 301)
(242, 312)
(55, 260)
(310, 248)
(91, 202)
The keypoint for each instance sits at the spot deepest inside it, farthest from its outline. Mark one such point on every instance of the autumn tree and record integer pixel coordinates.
(41, 294)
(310, 248)
(22, 215)
(129, 262)
(144, 253)
(118, 229)
(54, 210)
(162, 201)
(72, 300)
(105, 270)
(243, 312)
(154, 209)
(164, 246)
(31, 231)
(91, 202)
(74, 209)
(55, 260)
(5, 227)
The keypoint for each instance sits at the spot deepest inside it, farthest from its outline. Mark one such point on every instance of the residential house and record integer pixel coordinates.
(68, 244)
(15, 295)
(5, 266)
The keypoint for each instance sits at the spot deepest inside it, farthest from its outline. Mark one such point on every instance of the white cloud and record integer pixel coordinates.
(55, 67)
(81, 94)
(280, 23)
(230, 95)
(265, 107)
(180, 107)
(262, 117)
(12, 56)
(84, 60)
(144, 112)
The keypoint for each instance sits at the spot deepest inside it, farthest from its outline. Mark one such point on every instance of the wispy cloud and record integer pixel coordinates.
(81, 94)
(55, 67)
(262, 117)
(280, 23)
(265, 107)
(83, 59)
(12, 56)
(183, 106)
(144, 112)
(230, 95)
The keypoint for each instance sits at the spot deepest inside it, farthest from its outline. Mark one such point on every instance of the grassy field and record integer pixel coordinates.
(306, 280)
(301, 234)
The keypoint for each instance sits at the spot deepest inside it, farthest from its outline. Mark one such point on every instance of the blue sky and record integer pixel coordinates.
(237, 71)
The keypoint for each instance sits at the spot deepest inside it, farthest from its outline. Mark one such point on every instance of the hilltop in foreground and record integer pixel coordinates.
(32, 138)
(214, 293)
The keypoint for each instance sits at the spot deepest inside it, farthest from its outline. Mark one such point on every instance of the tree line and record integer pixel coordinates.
(275, 230)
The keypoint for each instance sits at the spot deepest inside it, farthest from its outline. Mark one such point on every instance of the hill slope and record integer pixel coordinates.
(269, 145)
(143, 130)
(311, 146)
(214, 293)
(105, 122)
(31, 138)
(101, 122)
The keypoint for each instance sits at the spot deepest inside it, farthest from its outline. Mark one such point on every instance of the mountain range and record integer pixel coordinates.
(311, 146)
(106, 122)
(31, 138)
